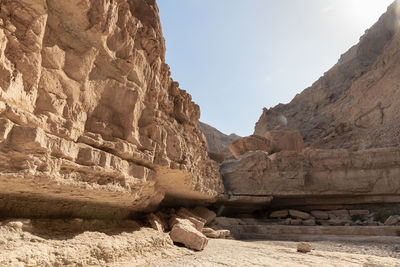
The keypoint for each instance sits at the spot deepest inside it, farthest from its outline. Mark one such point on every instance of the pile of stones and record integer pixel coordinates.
(333, 218)
(187, 227)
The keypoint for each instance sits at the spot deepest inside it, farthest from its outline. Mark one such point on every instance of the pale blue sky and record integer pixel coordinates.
(237, 56)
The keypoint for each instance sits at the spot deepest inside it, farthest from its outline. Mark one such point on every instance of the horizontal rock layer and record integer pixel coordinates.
(316, 176)
(89, 113)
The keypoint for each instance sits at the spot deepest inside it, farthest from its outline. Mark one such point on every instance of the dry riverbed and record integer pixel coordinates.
(275, 253)
(126, 243)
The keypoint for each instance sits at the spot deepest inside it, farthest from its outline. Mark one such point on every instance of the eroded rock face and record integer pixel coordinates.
(356, 104)
(89, 113)
(285, 140)
(217, 142)
(250, 143)
(316, 176)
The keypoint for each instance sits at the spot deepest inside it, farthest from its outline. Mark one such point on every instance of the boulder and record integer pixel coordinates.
(339, 214)
(204, 213)
(279, 214)
(320, 215)
(285, 140)
(185, 233)
(304, 248)
(296, 222)
(309, 222)
(197, 221)
(392, 220)
(299, 214)
(211, 233)
(250, 143)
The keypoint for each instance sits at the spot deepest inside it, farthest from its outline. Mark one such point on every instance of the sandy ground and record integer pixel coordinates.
(117, 244)
(273, 253)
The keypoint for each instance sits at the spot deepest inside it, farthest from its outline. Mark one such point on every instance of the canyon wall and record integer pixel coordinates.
(356, 104)
(350, 122)
(316, 176)
(217, 142)
(91, 123)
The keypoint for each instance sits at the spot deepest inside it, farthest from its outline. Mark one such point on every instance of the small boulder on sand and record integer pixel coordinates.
(185, 233)
(211, 233)
(304, 248)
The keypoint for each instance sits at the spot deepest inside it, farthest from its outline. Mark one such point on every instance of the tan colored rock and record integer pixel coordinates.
(217, 142)
(309, 222)
(155, 222)
(296, 222)
(205, 213)
(285, 140)
(90, 115)
(339, 214)
(321, 215)
(279, 214)
(211, 233)
(197, 221)
(226, 222)
(250, 143)
(392, 220)
(299, 214)
(183, 232)
(316, 177)
(304, 248)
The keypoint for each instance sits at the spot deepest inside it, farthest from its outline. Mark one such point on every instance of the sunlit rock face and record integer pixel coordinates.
(356, 104)
(316, 176)
(350, 122)
(217, 142)
(89, 113)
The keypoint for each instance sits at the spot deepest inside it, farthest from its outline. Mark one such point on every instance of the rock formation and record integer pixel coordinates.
(350, 122)
(356, 104)
(91, 124)
(217, 142)
(316, 177)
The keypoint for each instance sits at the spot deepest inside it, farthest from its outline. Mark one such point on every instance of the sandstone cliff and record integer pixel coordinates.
(217, 142)
(89, 116)
(354, 105)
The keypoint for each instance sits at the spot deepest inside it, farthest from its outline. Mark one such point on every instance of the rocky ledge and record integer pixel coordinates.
(91, 124)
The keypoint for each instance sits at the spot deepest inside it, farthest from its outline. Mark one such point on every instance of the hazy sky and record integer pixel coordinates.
(237, 56)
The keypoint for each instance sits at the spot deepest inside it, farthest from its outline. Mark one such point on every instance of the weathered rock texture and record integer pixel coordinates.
(356, 104)
(316, 177)
(285, 140)
(251, 143)
(89, 113)
(217, 142)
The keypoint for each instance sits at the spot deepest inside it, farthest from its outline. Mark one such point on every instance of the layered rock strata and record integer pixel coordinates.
(316, 176)
(89, 116)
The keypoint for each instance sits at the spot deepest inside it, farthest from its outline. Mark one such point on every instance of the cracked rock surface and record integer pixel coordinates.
(89, 116)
